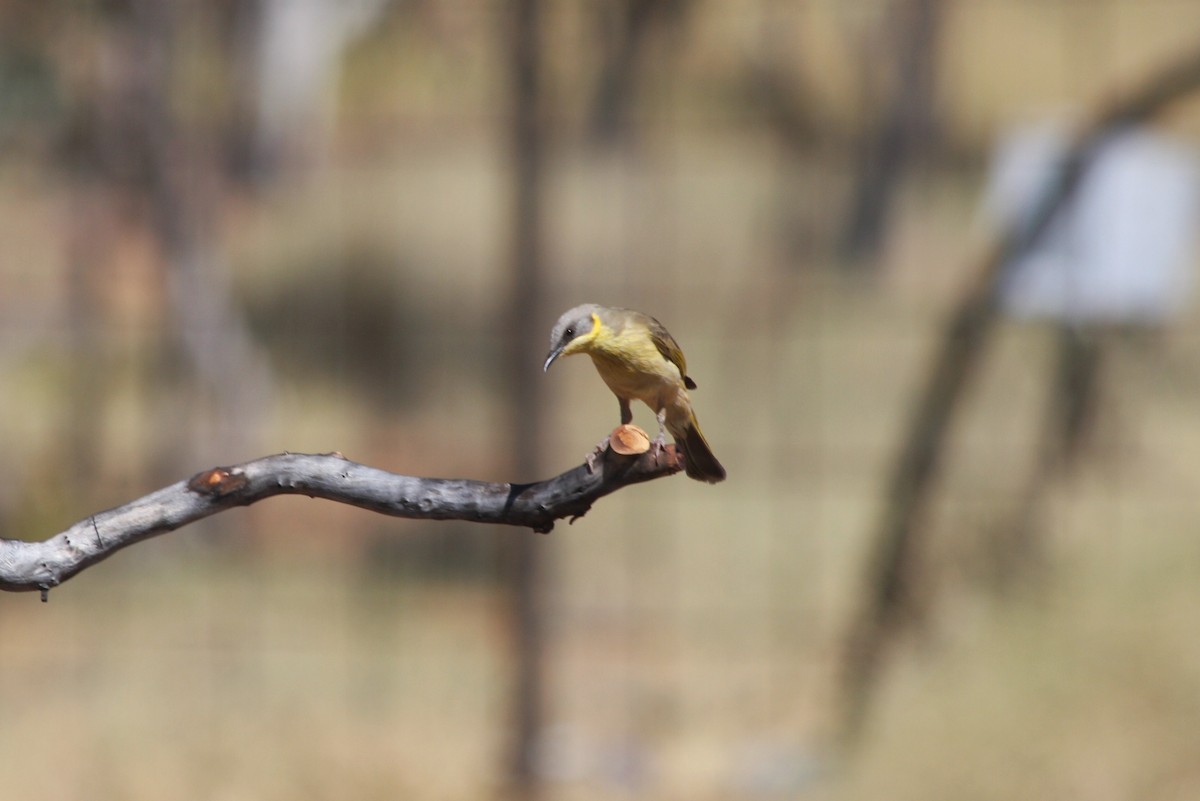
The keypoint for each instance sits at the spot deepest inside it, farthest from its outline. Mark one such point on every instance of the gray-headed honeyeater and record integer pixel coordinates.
(639, 360)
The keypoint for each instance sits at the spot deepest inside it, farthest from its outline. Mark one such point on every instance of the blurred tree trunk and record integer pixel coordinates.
(890, 586)
(1072, 402)
(94, 144)
(625, 45)
(906, 75)
(244, 35)
(803, 217)
(89, 231)
(527, 341)
(183, 194)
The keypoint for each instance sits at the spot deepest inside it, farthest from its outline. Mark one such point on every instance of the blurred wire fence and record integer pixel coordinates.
(233, 228)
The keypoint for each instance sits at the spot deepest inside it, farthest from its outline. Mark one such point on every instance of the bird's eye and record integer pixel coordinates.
(570, 332)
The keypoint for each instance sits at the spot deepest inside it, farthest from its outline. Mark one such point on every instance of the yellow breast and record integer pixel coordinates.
(633, 367)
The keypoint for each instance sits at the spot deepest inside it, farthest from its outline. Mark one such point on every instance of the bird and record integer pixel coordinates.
(639, 360)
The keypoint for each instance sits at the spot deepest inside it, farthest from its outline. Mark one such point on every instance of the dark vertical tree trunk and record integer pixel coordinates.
(183, 197)
(245, 163)
(623, 60)
(85, 250)
(905, 127)
(527, 342)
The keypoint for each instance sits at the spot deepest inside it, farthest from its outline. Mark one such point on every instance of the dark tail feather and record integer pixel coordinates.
(698, 460)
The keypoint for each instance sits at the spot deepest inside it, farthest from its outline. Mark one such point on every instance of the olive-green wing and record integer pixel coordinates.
(669, 348)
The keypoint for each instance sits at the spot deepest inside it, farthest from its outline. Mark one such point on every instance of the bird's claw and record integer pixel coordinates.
(659, 444)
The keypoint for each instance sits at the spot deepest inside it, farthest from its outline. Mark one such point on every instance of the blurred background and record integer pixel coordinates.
(938, 308)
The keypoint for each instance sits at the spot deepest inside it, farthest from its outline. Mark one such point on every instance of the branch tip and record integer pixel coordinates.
(629, 440)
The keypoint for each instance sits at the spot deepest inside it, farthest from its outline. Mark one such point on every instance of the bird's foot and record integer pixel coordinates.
(660, 442)
(658, 447)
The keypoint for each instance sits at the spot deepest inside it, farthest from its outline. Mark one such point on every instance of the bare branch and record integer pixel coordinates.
(891, 580)
(28, 566)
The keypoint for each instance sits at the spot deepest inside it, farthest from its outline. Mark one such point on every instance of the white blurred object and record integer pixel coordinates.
(1123, 249)
(568, 753)
(300, 51)
(776, 768)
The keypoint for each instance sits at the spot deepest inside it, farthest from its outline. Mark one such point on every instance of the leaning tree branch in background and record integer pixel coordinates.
(889, 583)
(28, 566)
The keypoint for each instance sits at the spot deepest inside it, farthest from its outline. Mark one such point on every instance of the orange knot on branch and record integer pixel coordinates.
(218, 482)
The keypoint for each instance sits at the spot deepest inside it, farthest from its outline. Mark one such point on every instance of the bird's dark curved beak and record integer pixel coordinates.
(554, 354)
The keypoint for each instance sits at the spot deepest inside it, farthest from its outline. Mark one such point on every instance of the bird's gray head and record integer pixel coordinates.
(572, 332)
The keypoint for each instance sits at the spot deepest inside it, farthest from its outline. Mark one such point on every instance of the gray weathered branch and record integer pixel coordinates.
(26, 566)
